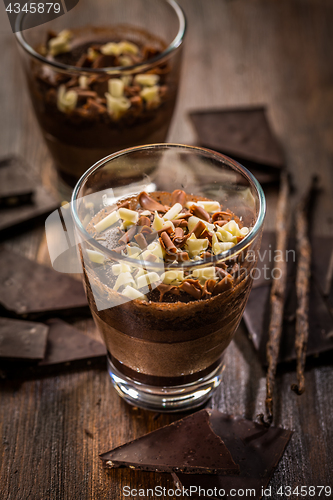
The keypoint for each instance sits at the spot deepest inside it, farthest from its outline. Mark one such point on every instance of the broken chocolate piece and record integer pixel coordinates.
(189, 445)
(65, 344)
(243, 133)
(30, 289)
(20, 217)
(24, 340)
(16, 186)
(256, 448)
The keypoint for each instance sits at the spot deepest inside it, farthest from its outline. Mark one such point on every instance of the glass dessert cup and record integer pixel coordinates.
(167, 356)
(76, 117)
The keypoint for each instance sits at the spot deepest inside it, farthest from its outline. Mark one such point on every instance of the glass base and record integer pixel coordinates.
(166, 399)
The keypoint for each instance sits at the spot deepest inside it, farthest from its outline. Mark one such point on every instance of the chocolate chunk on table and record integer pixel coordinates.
(66, 344)
(244, 134)
(255, 447)
(28, 289)
(20, 217)
(22, 340)
(256, 315)
(188, 445)
(16, 186)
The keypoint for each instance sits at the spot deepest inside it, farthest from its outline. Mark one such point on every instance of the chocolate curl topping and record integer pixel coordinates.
(128, 236)
(119, 249)
(208, 289)
(221, 273)
(200, 212)
(178, 196)
(221, 222)
(223, 285)
(141, 241)
(163, 289)
(144, 221)
(198, 228)
(167, 243)
(149, 204)
(179, 223)
(221, 216)
(178, 238)
(182, 257)
(192, 287)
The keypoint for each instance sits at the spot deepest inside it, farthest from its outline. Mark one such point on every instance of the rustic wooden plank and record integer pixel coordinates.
(237, 53)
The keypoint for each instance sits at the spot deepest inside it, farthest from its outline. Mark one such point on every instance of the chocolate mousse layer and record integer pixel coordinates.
(179, 328)
(87, 114)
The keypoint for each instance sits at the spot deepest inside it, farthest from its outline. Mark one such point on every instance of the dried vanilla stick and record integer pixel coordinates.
(278, 291)
(303, 275)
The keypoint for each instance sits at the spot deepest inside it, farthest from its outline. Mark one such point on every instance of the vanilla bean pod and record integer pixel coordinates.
(303, 274)
(278, 291)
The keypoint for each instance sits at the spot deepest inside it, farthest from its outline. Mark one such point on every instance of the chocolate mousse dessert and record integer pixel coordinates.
(87, 112)
(179, 303)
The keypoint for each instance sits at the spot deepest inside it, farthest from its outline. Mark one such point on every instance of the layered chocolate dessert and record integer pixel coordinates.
(87, 112)
(179, 304)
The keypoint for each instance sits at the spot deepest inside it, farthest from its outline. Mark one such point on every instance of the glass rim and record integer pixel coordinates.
(175, 43)
(226, 255)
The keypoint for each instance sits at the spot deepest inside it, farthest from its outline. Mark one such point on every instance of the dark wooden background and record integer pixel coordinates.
(238, 52)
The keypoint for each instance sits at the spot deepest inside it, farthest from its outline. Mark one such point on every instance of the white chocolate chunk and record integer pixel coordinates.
(133, 252)
(58, 45)
(151, 94)
(92, 54)
(222, 247)
(210, 206)
(172, 276)
(173, 212)
(125, 61)
(131, 293)
(167, 225)
(232, 227)
(120, 268)
(95, 256)
(124, 279)
(192, 222)
(83, 82)
(128, 47)
(128, 215)
(116, 87)
(117, 106)
(66, 100)
(126, 224)
(146, 79)
(196, 246)
(146, 212)
(156, 249)
(127, 80)
(108, 221)
(147, 279)
(111, 49)
(205, 273)
(158, 222)
(225, 235)
(140, 272)
(65, 34)
(244, 231)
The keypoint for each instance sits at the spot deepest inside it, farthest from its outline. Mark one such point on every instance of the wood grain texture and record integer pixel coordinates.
(237, 52)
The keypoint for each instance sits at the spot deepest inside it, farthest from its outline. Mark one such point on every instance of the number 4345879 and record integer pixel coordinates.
(33, 8)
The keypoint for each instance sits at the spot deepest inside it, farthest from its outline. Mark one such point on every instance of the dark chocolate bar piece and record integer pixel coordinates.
(189, 445)
(16, 186)
(24, 340)
(256, 314)
(65, 344)
(29, 289)
(255, 447)
(14, 217)
(245, 135)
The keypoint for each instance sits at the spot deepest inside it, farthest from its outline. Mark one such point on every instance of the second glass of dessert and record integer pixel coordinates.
(168, 259)
(103, 77)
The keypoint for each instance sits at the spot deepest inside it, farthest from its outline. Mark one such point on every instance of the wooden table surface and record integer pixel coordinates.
(238, 52)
